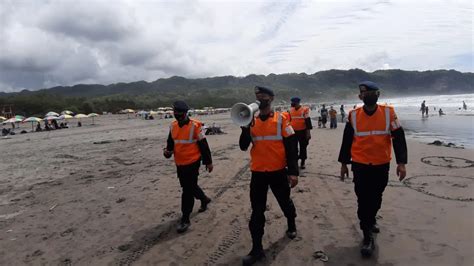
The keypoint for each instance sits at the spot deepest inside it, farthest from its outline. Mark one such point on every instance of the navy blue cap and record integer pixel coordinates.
(295, 99)
(260, 89)
(180, 106)
(369, 85)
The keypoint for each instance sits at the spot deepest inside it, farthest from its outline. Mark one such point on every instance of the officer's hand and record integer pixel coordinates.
(293, 180)
(308, 135)
(167, 153)
(401, 171)
(344, 171)
(209, 167)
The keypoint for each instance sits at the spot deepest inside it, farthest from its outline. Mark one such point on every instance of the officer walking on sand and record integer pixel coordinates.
(367, 143)
(301, 123)
(189, 145)
(274, 164)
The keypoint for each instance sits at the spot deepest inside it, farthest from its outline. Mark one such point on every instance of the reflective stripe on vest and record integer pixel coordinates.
(274, 137)
(374, 132)
(187, 141)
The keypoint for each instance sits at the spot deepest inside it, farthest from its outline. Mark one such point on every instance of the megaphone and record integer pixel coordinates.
(242, 114)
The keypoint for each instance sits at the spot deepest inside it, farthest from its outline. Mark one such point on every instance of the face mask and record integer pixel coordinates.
(264, 104)
(180, 117)
(371, 99)
(293, 104)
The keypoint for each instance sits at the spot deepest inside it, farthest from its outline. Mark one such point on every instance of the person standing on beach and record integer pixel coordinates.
(324, 115)
(274, 164)
(189, 146)
(423, 109)
(343, 113)
(464, 106)
(333, 118)
(367, 144)
(301, 123)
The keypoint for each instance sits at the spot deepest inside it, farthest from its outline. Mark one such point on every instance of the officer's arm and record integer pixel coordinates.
(291, 150)
(170, 143)
(245, 138)
(400, 145)
(205, 151)
(345, 152)
(307, 121)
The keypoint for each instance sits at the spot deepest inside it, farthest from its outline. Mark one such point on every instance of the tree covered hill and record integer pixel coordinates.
(226, 90)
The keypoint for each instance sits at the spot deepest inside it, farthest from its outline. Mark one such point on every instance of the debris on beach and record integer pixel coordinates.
(320, 255)
(444, 144)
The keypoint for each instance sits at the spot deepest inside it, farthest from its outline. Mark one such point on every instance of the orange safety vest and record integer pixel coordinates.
(268, 151)
(298, 117)
(186, 150)
(372, 141)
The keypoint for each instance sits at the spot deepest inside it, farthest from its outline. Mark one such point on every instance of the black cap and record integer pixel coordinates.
(369, 85)
(295, 99)
(260, 89)
(180, 106)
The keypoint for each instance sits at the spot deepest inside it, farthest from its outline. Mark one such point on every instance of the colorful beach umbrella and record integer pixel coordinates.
(52, 114)
(80, 116)
(65, 116)
(67, 112)
(92, 115)
(49, 118)
(13, 120)
(32, 120)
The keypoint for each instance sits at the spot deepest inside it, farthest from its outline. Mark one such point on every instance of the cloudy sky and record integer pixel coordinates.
(49, 43)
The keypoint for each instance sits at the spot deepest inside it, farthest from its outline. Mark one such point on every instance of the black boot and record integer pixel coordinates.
(291, 232)
(303, 166)
(254, 256)
(375, 229)
(183, 225)
(368, 244)
(204, 204)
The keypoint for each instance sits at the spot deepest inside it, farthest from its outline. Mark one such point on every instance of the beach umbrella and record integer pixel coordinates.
(67, 112)
(19, 117)
(128, 112)
(49, 118)
(2, 118)
(65, 116)
(52, 114)
(13, 120)
(80, 116)
(92, 115)
(32, 120)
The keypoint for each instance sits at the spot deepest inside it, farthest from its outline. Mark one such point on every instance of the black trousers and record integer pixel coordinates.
(369, 183)
(188, 179)
(278, 182)
(303, 144)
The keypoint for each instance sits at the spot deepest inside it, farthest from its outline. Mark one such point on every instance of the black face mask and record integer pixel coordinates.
(264, 104)
(293, 104)
(371, 99)
(180, 117)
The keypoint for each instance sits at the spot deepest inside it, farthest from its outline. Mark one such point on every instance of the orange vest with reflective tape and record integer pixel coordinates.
(268, 151)
(186, 150)
(372, 141)
(298, 117)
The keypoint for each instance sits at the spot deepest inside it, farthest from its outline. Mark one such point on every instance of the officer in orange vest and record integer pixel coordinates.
(274, 164)
(367, 145)
(189, 146)
(301, 123)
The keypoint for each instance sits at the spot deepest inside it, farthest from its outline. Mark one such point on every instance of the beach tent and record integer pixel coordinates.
(32, 120)
(92, 115)
(52, 114)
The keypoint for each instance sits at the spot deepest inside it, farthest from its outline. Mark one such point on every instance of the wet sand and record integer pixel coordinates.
(65, 200)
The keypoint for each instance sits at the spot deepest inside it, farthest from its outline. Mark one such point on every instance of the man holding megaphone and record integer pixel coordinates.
(274, 164)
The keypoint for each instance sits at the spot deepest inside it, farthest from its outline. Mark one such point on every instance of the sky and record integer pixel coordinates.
(49, 43)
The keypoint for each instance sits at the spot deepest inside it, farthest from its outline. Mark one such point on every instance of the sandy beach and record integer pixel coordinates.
(103, 194)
